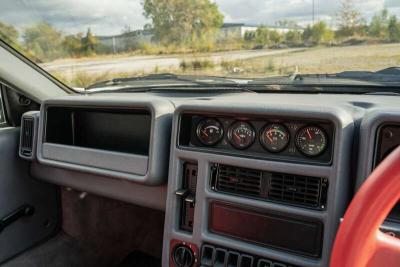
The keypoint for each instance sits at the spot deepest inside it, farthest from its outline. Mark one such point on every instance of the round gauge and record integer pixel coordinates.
(241, 135)
(209, 132)
(275, 137)
(311, 141)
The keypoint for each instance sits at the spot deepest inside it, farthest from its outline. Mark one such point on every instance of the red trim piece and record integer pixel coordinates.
(359, 243)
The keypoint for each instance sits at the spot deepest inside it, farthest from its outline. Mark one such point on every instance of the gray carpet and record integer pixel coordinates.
(97, 232)
(60, 251)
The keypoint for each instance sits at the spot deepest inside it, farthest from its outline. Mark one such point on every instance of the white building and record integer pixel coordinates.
(126, 41)
(238, 30)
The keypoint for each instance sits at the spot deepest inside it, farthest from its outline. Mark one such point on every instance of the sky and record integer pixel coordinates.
(108, 17)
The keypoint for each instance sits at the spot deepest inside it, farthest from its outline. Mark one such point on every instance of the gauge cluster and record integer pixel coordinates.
(281, 138)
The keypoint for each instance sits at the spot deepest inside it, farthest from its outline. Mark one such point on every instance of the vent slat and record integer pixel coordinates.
(239, 180)
(295, 189)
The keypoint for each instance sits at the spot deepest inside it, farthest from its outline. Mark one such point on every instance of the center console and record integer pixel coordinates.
(255, 185)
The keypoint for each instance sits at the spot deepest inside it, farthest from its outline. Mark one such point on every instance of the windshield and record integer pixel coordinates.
(82, 42)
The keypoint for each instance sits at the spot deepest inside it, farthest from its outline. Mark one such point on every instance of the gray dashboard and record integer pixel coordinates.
(355, 120)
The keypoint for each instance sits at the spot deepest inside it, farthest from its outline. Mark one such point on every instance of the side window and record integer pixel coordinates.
(3, 121)
(13, 105)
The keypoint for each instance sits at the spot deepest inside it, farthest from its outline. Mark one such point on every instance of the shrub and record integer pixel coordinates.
(197, 64)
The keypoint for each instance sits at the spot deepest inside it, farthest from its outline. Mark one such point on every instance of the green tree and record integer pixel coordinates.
(72, 45)
(394, 29)
(307, 34)
(318, 33)
(262, 36)
(275, 37)
(349, 19)
(43, 41)
(249, 36)
(182, 21)
(293, 38)
(8, 33)
(89, 43)
(379, 24)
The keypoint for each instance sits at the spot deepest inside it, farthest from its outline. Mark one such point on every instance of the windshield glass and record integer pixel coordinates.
(82, 42)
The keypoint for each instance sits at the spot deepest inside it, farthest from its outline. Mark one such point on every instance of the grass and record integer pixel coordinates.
(197, 64)
(313, 60)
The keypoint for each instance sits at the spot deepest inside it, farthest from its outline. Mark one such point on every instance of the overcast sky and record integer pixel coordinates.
(107, 17)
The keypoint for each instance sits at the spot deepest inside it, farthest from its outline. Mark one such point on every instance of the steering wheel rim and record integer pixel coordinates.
(359, 242)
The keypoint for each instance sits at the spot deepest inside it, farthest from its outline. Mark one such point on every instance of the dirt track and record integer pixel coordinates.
(149, 63)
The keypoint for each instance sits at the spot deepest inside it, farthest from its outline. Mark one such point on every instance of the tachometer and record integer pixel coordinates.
(209, 132)
(241, 135)
(311, 141)
(275, 137)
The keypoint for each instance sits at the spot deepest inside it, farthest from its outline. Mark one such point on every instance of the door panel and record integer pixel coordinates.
(18, 188)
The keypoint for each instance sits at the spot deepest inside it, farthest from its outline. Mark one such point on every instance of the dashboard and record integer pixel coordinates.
(244, 179)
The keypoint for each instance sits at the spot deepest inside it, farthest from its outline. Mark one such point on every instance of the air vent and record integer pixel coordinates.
(27, 131)
(277, 187)
(295, 189)
(239, 180)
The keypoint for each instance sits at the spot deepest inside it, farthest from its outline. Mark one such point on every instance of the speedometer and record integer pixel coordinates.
(311, 141)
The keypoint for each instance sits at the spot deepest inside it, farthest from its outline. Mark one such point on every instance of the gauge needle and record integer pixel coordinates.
(204, 133)
(309, 135)
(269, 137)
(237, 136)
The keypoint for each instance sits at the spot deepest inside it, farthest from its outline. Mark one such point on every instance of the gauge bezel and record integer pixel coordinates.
(201, 123)
(264, 143)
(230, 130)
(308, 154)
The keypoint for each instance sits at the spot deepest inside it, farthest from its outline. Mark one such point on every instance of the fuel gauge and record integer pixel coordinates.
(209, 132)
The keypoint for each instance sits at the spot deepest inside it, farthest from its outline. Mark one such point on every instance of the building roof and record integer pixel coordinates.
(131, 33)
(229, 25)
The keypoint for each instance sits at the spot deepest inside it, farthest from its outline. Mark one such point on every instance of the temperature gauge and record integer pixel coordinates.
(275, 137)
(241, 135)
(209, 132)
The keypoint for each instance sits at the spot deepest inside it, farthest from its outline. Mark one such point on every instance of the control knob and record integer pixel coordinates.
(183, 256)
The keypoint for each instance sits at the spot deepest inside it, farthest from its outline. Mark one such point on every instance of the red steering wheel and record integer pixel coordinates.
(359, 243)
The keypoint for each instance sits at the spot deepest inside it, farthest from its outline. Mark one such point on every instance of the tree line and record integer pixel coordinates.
(382, 28)
(195, 25)
(43, 42)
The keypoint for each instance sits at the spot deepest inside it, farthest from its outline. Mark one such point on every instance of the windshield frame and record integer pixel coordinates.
(29, 62)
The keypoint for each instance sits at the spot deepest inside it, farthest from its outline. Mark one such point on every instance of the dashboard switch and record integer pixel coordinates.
(265, 263)
(220, 257)
(182, 192)
(233, 259)
(246, 261)
(190, 199)
(207, 255)
(187, 196)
